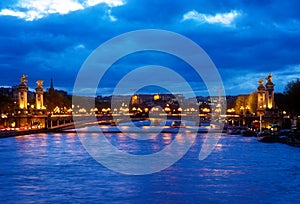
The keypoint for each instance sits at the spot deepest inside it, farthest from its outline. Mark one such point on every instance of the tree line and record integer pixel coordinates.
(287, 102)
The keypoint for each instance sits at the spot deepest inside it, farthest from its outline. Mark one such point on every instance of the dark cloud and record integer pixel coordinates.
(263, 38)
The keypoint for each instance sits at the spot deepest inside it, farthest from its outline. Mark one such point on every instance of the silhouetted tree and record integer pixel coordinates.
(241, 102)
(6, 104)
(292, 91)
(281, 102)
(252, 102)
(53, 98)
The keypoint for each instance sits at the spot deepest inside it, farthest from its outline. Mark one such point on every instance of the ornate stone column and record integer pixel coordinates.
(39, 95)
(22, 93)
(261, 97)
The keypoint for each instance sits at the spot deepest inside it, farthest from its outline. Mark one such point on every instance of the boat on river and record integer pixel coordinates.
(293, 138)
(266, 137)
(234, 130)
(273, 134)
(177, 124)
(248, 132)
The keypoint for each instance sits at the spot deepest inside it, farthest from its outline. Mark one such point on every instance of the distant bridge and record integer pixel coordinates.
(61, 122)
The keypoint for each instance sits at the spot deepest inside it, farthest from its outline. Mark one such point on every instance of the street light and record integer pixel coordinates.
(167, 108)
(242, 115)
(206, 110)
(231, 110)
(242, 110)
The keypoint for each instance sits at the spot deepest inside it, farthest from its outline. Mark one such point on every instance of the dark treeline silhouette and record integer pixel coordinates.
(292, 96)
(288, 101)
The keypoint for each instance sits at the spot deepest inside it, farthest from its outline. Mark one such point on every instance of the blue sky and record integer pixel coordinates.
(245, 39)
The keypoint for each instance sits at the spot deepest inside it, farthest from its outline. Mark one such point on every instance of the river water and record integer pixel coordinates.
(46, 168)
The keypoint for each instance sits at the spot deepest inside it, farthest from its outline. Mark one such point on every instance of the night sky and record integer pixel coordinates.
(246, 39)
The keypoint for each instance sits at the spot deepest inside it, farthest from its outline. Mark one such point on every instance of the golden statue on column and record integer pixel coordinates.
(40, 83)
(23, 79)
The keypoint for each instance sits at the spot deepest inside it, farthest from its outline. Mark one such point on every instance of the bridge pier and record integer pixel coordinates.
(59, 121)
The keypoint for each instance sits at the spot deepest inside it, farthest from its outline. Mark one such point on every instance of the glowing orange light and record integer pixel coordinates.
(156, 97)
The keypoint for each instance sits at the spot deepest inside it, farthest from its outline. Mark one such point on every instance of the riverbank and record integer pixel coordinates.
(111, 129)
(13, 133)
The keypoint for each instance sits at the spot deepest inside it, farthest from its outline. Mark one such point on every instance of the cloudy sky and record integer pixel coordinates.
(245, 39)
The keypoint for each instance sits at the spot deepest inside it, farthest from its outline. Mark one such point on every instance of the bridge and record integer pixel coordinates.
(56, 123)
(61, 122)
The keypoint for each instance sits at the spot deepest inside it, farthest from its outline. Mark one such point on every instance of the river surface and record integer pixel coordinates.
(56, 168)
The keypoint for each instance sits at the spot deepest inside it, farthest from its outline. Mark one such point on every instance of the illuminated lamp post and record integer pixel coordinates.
(242, 115)
(167, 109)
(230, 111)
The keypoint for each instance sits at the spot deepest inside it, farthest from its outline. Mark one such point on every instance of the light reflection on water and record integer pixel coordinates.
(56, 168)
